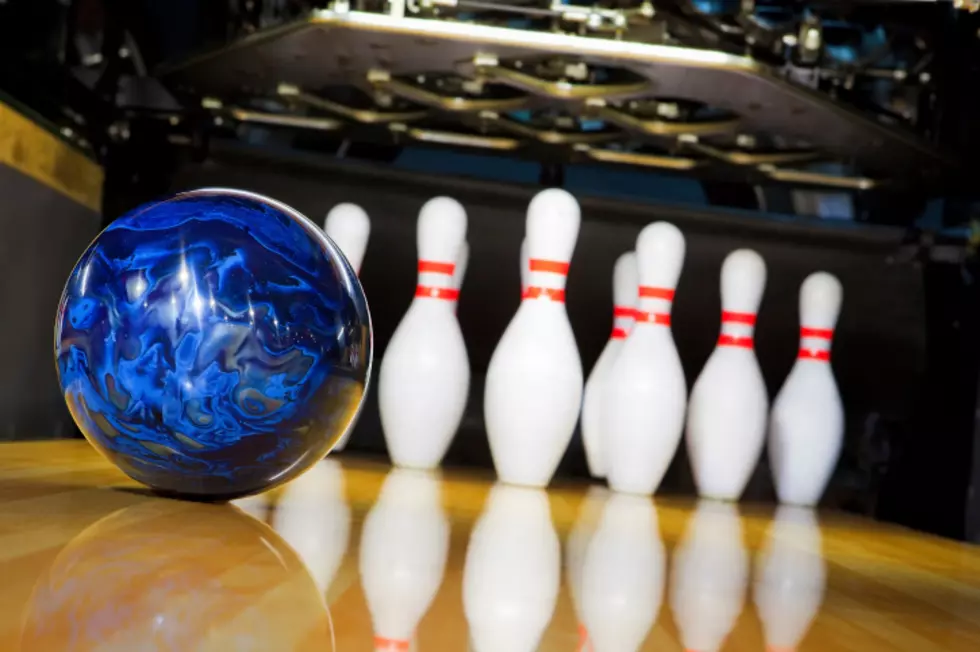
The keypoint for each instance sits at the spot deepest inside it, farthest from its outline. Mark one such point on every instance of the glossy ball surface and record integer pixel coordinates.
(214, 344)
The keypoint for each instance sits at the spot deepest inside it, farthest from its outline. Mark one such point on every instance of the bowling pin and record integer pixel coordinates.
(646, 393)
(349, 227)
(709, 577)
(462, 260)
(791, 578)
(404, 547)
(806, 428)
(312, 515)
(533, 387)
(512, 571)
(524, 269)
(425, 372)
(623, 575)
(726, 418)
(576, 547)
(624, 305)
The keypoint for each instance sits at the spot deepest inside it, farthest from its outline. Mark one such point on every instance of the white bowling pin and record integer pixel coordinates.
(524, 269)
(806, 428)
(709, 576)
(646, 393)
(348, 226)
(534, 380)
(576, 547)
(791, 577)
(623, 576)
(726, 418)
(624, 306)
(404, 546)
(512, 571)
(312, 515)
(425, 372)
(462, 260)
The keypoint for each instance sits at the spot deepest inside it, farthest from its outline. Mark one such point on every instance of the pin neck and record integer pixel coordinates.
(546, 280)
(815, 343)
(538, 292)
(436, 267)
(430, 292)
(654, 305)
(436, 281)
(623, 317)
(737, 329)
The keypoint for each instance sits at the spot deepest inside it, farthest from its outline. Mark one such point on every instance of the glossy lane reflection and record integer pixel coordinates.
(790, 577)
(576, 546)
(404, 546)
(623, 575)
(167, 575)
(312, 515)
(710, 575)
(512, 572)
(453, 563)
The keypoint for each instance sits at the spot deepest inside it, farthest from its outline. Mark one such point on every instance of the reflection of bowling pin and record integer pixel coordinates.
(512, 571)
(404, 545)
(524, 269)
(806, 428)
(577, 545)
(462, 260)
(349, 227)
(425, 372)
(255, 506)
(624, 305)
(623, 575)
(790, 578)
(726, 418)
(709, 576)
(643, 404)
(312, 515)
(534, 380)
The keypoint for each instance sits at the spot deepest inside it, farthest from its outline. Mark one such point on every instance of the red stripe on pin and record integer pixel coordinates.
(623, 311)
(731, 340)
(618, 334)
(449, 294)
(553, 266)
(435, 267)
(817, 333)
(819, 355)
(390, 644)
(746, 318)
(554, 294)
(660, 318)
(584, 644)
(656, 293)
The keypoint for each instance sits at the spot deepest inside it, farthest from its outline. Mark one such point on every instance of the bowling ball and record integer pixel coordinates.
(214, 344)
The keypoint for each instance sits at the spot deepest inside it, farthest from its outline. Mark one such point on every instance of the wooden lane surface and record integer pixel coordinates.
(89, 561)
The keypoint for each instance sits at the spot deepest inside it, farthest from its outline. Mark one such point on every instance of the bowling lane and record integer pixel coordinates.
(355, 556)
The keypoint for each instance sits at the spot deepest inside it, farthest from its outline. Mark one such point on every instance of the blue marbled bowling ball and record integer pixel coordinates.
(214, 344)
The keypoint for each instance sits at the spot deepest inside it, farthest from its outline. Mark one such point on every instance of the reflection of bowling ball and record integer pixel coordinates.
(214, 344)
(170, 575)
